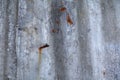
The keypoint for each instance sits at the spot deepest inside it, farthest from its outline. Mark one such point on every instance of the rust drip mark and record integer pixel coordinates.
(42, 47)
(62, 9)
(40, 52)
(69, 20)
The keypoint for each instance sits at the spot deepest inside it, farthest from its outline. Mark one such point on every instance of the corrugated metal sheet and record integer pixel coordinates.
(59, 39)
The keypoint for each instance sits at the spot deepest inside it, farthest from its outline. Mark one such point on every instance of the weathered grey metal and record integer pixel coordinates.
(84, 47)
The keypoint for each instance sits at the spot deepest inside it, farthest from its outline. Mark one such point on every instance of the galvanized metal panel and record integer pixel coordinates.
(83, 39)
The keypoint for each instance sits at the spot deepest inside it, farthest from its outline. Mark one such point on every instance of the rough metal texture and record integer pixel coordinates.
(88, 49)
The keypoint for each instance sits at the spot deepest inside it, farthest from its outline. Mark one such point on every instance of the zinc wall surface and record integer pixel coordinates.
(59, 39)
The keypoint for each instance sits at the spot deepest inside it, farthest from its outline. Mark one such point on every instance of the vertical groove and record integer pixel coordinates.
(6, 38)
(16, 25)
(10, 58)
(58, 40)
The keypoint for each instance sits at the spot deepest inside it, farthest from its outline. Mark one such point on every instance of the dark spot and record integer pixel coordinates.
(35, 28)
(20, 29)
(104, 73)
(44, 46)
(41, 19)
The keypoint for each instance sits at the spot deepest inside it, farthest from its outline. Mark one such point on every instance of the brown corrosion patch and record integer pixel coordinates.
(62, 9)
(69, 20)
(42, 47)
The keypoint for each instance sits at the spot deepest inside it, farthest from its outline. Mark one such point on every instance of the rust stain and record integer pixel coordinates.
(55, 30)
(62, 9)
(69, 20)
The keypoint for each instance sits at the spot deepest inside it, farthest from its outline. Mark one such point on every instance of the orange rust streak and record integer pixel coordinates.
(62, 9)
(40, 51)
(69, 20)
(39, 60)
